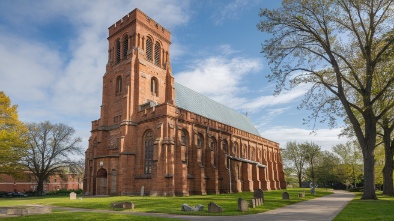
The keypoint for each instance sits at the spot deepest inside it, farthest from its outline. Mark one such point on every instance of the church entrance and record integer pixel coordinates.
(101, 182)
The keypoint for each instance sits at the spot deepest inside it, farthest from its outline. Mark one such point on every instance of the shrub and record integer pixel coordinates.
(64, 192)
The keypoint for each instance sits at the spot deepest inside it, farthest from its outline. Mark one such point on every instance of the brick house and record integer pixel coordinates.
(27, 183)
(160, 136)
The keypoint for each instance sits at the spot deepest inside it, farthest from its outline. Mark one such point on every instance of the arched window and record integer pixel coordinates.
(259, 153)
(244, 151)
(149, 49)
(157, 54)
(235, 148)
(213, 147)
(148, 142)
(154, 86)
(118, 85)
(200, 152)
(125, 45)
(117, 45)
(212, 144)
(252, 154)
(238, 171)
(184, 137)
(184, 141)
(200, 140)
(224, 146)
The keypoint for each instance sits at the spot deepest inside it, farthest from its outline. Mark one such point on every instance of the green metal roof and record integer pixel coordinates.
(192, 101)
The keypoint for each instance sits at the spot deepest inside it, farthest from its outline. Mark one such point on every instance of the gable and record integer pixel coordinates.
(192, 101)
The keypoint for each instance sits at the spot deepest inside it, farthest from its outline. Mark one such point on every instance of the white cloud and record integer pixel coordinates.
(274, 100)
(269, 115)
(229, 11)
(27, 69)
(325, 138)
(219, 78)
(227, 49)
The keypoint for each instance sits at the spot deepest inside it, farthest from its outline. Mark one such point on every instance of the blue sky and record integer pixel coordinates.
(53, 55)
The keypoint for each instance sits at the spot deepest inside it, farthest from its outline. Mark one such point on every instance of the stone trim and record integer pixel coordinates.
(106, 156)
(246, 161)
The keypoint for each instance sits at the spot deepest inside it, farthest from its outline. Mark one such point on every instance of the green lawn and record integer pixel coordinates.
(360, 210)
(171, 205)
(86, 216)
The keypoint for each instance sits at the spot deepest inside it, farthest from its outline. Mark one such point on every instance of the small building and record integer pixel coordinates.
(161, 137)
(27, 183)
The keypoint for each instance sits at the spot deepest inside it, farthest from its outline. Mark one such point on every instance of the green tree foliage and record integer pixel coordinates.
(379, 164)
(385, 129)
(349, 170)
(291, 177)
(294, 157)
(335, 47)
(326, 168)
(301, 159)
(12, 138)
(50, 149)
(312, 156)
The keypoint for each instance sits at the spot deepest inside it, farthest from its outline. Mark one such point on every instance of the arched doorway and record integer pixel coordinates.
(101, 182)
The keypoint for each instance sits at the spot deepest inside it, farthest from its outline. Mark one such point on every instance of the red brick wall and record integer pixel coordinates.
(117, 144)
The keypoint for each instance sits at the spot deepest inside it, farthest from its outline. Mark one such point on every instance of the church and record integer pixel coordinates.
(157, 137)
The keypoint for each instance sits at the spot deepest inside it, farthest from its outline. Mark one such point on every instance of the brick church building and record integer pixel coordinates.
(163, 138)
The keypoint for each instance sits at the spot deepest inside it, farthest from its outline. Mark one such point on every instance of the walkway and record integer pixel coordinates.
(322, 209)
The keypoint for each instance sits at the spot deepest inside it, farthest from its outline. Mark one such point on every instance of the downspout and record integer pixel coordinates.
(229, 174)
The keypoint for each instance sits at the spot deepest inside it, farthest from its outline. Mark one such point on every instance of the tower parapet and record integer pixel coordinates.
(138, 16)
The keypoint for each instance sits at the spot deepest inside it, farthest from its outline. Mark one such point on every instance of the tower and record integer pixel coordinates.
(138, 67)
(138, 76)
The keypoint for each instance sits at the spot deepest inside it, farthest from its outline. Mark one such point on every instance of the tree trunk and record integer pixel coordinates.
(369, 174)
(388, 178)
(367, 141)
(299, 180)
(40, 187)
(388, 164)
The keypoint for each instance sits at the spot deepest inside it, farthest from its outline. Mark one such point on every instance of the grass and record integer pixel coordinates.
(86, 216)
(170, 205)
(360, 210)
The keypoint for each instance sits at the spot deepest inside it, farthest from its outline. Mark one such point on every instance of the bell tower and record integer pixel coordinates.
(138, 73)
(138, 76)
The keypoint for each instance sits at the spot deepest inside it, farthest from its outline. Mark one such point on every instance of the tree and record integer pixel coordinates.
(294, 156)
(312, 153)
(335, 47)
(12, 138)
(387, 126)
(326, 168)
(77, 170)
(379, 165)
(386, 135)
(50, 148)
(385, 130)
(350, 161)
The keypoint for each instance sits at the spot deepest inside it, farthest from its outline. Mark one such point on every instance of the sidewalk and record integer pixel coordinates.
(322, 209)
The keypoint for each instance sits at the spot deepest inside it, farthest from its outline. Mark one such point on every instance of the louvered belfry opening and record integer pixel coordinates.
(157, 54)
(117, 50)
(125, 45)
(149, 49)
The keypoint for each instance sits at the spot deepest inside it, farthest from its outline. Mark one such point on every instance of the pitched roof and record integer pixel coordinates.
(192, 101)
